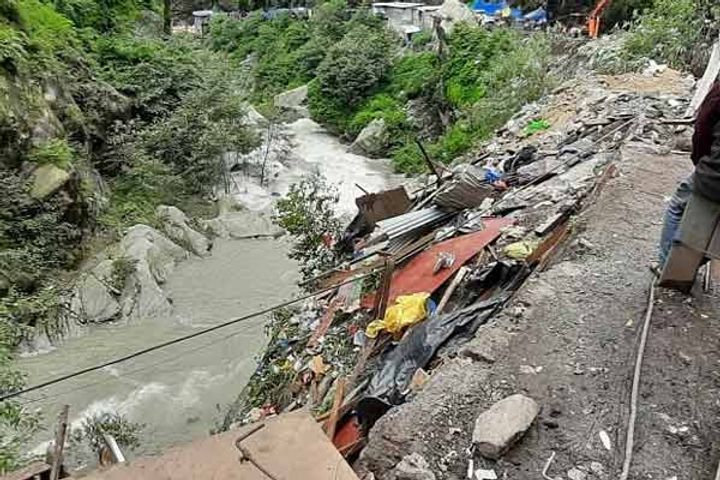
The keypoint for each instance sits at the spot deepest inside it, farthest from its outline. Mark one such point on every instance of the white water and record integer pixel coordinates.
(178, 391)
(317, 151)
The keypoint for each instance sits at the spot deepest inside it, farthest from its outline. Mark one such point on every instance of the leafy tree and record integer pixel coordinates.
(307, 212)
(356, 65)
(17, 424)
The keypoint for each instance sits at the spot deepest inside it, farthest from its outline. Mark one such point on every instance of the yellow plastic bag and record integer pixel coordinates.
(520, 250)
(408, 310)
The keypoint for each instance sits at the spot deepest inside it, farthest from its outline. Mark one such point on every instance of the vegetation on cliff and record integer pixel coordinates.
(101, 120)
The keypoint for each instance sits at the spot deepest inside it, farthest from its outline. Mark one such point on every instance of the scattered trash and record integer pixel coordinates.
(536, 126)
(482, 474)
(419, 379)
(444, 260)
(576, 474)
(408, 310)
(605, 439)
(467, 242)
(520, 250)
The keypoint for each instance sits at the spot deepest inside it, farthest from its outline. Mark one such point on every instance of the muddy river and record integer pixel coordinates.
(178, 392)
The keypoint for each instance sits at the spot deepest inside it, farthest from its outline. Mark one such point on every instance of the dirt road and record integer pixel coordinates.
(568, 340)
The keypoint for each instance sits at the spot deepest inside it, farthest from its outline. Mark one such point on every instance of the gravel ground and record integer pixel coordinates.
(568, 340)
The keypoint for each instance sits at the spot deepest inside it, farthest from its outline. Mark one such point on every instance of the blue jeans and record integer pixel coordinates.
(673, 216)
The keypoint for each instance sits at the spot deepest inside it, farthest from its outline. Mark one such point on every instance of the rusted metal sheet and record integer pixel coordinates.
(417, 275)
(379, 206)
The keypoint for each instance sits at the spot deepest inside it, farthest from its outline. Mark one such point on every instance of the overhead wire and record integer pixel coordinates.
(167, 360)
(124, 358)
(205, 331)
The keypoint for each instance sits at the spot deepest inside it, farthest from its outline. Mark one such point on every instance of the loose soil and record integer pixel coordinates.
(568, 340)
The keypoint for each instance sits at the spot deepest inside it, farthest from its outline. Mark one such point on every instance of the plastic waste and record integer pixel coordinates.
(520, 250)
(408, 310)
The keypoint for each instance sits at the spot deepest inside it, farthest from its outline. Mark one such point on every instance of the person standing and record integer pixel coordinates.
(705, 179)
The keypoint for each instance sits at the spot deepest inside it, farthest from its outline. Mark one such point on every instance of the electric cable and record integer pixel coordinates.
(144, 351)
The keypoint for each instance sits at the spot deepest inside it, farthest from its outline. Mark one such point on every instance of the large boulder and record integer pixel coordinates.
(372, 140)
(93, 299)
(175, 225)
(452, 12)
(499, 427)
(155, 257)
(292, 99)
(253, 118)
(242, 224)
(424, 117)
(46, 180)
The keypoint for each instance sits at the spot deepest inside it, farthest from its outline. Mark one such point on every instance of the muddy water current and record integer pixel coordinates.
(178, 392)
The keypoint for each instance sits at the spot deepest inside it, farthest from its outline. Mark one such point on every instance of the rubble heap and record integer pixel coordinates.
(466, 242)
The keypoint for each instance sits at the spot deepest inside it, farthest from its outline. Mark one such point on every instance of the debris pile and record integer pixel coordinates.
(433, 265)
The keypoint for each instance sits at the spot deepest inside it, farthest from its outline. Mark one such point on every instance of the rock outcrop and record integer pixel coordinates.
(95, 300)
(126, 283)
(175, 225)
(46, 180)
(372, 140)
(500, 426)
(452, 12)
(155, 257)
(293, 101)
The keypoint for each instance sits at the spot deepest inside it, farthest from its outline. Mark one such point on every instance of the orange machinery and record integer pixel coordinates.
(593, 23)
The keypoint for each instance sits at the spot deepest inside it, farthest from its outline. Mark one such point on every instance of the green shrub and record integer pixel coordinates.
(125, 432)
(666, 32)
(10, 11)
(13, 53)
(422, 38)
(47, 29)
(472, 52)
(379, 106)
(122, 268)
(154, 73)
(17, 423)
(330, 111)
(355, 66)
(55, 152)
(414, 74)
(307, 212)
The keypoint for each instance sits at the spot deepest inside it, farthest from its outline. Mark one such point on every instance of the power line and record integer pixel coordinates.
(171, 359)
(174, 341)
(299, 299)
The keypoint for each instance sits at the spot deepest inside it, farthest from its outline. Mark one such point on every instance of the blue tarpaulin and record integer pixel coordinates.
(539, 16)
(494, 8)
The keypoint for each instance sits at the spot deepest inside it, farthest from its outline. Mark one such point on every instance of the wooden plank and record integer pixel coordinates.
(451, 289)
(384, 292)
(59, 446)
(337, 403)
(549, 243)
(681, 268)
(705, 84)
(326, 320)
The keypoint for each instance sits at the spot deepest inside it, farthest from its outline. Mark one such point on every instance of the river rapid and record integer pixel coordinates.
(179, 392)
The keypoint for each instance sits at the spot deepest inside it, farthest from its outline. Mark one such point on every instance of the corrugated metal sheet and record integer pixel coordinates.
(403, 224)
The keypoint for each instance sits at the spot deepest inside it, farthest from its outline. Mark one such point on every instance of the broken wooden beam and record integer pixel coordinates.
(337, 403)
(459, 276)
(59, 446)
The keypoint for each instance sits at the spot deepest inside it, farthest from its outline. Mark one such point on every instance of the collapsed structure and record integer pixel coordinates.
(433, 265)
